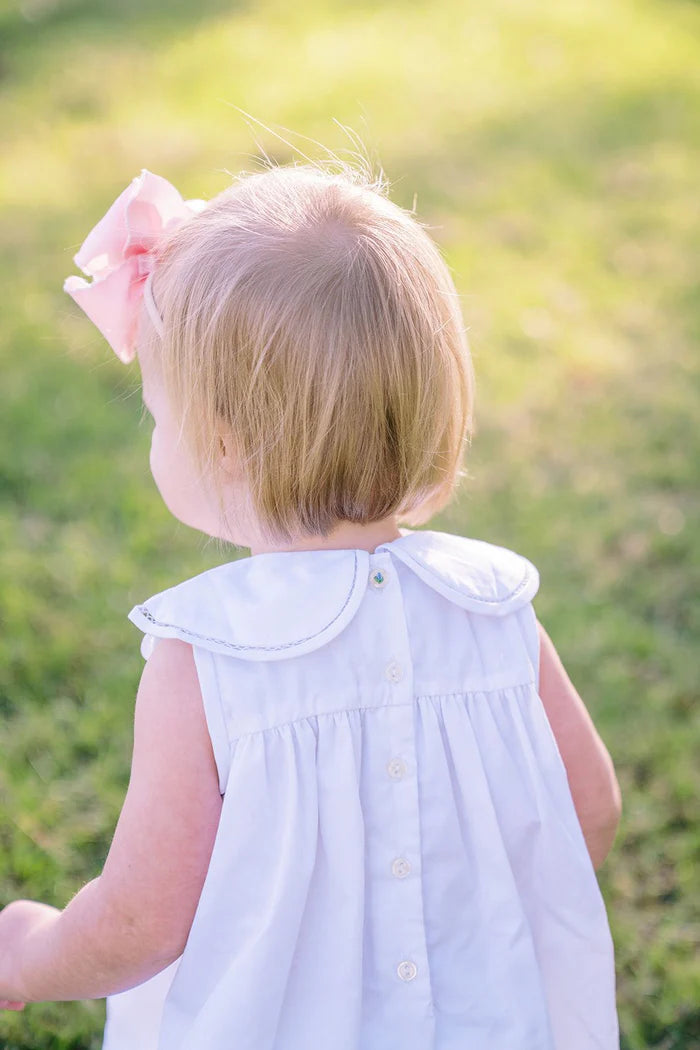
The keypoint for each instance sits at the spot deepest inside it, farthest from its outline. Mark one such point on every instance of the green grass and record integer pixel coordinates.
(554, 150)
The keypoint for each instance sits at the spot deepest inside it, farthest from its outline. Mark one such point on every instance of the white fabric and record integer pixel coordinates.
(399, 865)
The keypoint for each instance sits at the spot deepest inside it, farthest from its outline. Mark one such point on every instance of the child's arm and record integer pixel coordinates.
(132, 921)
(589, 768)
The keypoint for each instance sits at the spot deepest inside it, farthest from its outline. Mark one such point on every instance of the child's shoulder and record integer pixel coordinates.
(286, 603)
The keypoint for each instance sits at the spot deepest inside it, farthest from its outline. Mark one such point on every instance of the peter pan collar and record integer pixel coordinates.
(286, 603)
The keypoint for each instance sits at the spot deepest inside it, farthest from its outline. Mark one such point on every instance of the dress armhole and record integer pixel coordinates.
(527, 620)
(205, 662)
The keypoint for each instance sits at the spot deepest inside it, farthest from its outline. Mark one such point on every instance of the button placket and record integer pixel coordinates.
(401, 768)
(400, 890)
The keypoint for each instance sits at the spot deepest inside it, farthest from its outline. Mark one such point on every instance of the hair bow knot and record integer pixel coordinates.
(118, 254)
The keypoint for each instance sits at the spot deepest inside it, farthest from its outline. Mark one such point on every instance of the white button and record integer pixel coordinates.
(396, 768)
(379, 579)
(400, 868)
(406, 970)
(393, 672)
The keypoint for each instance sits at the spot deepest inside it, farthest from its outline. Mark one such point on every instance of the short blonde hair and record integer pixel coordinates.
(317, 323)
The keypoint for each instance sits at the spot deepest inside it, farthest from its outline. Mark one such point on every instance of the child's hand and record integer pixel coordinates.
(18, 921)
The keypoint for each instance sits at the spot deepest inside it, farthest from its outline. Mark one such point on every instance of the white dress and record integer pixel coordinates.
(399, 865)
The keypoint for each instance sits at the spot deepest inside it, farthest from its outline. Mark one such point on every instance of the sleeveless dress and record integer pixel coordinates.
(398, 865)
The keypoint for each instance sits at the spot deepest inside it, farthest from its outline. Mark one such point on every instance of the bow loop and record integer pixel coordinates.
(118, 254)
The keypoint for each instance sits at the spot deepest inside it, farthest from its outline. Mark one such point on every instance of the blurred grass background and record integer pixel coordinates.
(554, 150)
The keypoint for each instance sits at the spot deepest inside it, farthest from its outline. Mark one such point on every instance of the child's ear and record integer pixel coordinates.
(228, 460)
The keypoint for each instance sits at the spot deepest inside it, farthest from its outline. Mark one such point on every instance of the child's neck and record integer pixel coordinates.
(345, 536)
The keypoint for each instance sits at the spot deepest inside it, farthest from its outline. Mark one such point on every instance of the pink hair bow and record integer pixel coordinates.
(119, 256)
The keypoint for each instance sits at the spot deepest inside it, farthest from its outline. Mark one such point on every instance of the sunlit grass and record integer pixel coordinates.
(553, 150)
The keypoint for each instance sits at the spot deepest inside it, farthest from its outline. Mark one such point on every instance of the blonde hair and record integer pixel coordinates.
(316, 323)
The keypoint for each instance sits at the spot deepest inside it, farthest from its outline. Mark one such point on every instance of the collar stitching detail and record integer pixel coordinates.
(470, 594)
(148, 615)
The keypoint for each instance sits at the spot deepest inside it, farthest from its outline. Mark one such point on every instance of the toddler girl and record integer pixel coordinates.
(366, 802)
